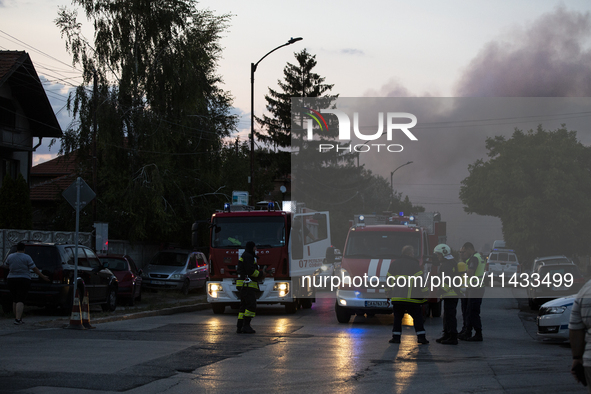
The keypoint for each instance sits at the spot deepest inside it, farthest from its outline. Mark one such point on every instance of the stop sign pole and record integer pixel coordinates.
(78, 194)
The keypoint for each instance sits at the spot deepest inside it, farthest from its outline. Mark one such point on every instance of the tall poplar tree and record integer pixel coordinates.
(159, 111)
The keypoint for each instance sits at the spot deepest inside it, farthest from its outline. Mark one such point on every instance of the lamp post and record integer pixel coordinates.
(253, 68)
(392, 173)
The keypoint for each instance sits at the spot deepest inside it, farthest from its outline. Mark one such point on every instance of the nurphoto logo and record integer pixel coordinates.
(345, 130)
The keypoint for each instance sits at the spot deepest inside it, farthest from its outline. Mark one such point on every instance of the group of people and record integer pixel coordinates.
(409, 299)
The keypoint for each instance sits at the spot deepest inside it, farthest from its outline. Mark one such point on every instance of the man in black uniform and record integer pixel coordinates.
(249, 276)
(407, 299)
(448, 269)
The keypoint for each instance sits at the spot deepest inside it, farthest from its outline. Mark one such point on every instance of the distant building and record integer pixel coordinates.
(25, 112)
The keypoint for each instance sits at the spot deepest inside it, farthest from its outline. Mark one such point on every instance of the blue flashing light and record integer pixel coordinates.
(361, 218)
(412, 218)
(271, 206)
(400, 213)
(227, 207)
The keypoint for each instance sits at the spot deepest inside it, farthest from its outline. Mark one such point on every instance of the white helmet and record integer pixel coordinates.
(443, 249)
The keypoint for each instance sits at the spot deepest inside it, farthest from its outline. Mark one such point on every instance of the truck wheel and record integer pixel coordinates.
(218, 309)
(435, 309)
(291, 307)
(342, 315)
(306, 303)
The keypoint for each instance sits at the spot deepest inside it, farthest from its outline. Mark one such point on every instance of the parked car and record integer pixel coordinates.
(553, 283)
(57, 262)
(502, 261)
(176, 269)
(128, 276)
(554, 316)
(539, 261)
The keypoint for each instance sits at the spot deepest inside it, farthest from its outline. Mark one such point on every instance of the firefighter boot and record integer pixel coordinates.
(443, 338)
(452, 340)
(477, 337)
(395, 339)
(239, 326)
(246, 328)
(422, 339)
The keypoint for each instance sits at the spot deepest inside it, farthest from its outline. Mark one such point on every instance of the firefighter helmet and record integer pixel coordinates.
(443, 249)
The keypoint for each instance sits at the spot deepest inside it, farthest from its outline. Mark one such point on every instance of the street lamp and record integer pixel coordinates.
(392, 173)
(253, 68)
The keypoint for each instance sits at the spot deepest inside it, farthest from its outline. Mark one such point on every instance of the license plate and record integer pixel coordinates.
(158, 282)
(377, 304)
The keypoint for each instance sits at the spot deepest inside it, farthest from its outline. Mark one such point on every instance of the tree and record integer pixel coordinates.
(15, 205)
(299, 81)
(159, 111)
(538, 184)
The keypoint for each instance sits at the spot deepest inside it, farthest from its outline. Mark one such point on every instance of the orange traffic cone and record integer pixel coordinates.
(75, 318)
(86, 312)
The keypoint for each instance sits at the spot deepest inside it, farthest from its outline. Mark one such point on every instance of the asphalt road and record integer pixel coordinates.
(306, 352)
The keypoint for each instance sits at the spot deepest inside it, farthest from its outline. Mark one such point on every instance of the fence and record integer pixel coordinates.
(12, 237)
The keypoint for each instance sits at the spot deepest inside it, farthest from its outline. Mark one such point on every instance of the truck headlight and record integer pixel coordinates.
(213, 288)
(282, 288)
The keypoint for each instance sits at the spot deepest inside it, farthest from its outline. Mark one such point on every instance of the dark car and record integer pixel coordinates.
(176, 269)
(57, 262)
(553, 281)
(128, 276)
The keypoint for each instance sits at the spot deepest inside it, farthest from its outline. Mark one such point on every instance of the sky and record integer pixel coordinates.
(368, 49)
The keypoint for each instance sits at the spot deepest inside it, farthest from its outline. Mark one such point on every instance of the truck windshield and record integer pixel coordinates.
(380, 244)
(235, 232)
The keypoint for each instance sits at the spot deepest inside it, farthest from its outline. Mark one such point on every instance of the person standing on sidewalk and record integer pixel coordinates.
(474, 293)
(19, 279)
(409, 298)
(448, 270)
(249, 275)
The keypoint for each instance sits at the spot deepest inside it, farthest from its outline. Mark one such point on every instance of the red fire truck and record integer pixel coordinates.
(289, 246)
(373, 241)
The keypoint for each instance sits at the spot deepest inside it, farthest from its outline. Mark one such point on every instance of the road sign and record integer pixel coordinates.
(86, 194)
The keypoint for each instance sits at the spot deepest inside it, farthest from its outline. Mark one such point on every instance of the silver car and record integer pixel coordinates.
(176, 269)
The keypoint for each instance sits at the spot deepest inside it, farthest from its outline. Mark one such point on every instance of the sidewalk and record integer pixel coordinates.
(152, 304)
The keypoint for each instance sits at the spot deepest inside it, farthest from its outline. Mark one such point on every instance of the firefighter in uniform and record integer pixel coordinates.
(407, 299)
(474, 294)
(249, 276)
(448, 270)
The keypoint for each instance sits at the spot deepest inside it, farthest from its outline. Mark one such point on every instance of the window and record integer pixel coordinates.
(192, 262)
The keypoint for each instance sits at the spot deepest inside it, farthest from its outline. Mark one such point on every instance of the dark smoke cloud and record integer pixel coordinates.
(547, 59)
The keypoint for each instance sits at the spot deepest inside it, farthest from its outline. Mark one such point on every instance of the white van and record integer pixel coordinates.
(502, 261)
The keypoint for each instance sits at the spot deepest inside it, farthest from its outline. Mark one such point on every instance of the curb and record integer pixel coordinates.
(160, 312)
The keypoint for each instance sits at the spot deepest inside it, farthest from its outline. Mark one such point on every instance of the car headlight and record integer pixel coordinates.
(324, 267)
(176, 276)
(552, 310)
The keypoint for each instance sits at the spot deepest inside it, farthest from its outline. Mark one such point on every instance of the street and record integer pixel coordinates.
(308, 351)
